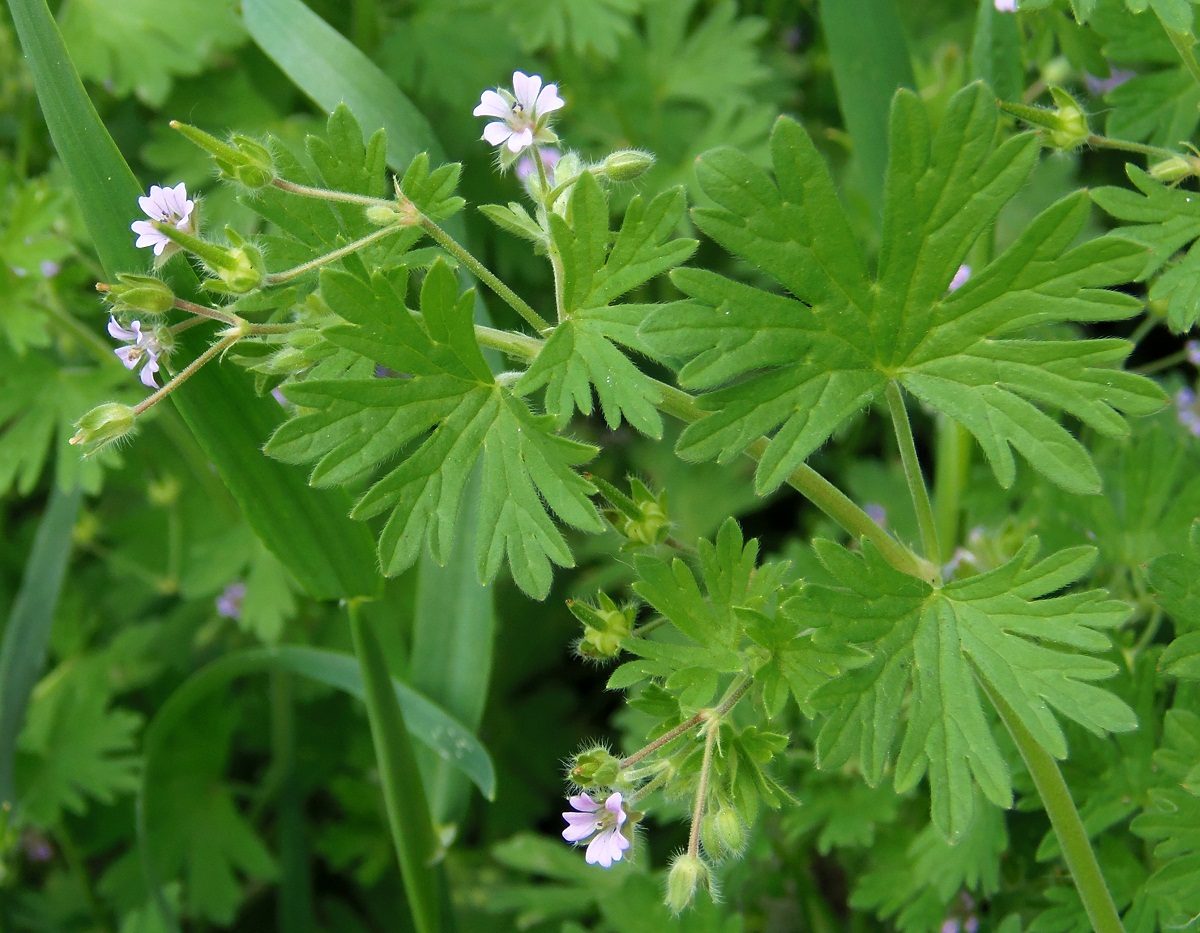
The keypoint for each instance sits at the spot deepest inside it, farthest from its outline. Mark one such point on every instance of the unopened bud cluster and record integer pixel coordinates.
(605, 626)
(642, 517)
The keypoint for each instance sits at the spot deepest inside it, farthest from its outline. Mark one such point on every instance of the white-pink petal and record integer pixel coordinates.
(583, 802)
(492, 104)
(497, 133)
(526, 88)
(608, 847)
(522, 140)
(548, 100)
(148, 371)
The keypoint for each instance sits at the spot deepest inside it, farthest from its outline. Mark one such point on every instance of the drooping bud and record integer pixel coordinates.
(604, 627)
(242, 160)
(138, 295)
(626, 165)
(726, 834)
(688, 873)
(103, 425)
(597, 767)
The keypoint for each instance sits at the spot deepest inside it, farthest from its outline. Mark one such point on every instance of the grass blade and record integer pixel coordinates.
(869, 53)
(308, 530)
(23, 650)
(403, 790)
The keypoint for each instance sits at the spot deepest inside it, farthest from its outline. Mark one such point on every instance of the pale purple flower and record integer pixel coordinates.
(527, 167)
(50, 268)
(960, 557)
(168, 206)
(141, 345)
(1185, 410)
(229, 603)
(960, 278)
(1101, 86)
(1192, 349)
(1006, 6)
(877, 512)
(19, 271)
(605, 820)
(521, 117)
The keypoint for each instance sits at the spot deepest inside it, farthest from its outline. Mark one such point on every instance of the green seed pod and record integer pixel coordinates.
(103, 425)
(139, 295)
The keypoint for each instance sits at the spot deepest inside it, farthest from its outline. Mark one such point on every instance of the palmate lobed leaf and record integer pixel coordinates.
(800, 366)
(582, 351)
(444, 417)
(933, 651)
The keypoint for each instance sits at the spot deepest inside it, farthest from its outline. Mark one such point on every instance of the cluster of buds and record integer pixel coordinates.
(642, 518)
(605, 626)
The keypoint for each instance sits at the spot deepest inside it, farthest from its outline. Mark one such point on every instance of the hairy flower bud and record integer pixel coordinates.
(1072, 128)
(1175, 169)
(1065, 127)
(604, 627)
(138, 295)
(103, 425)
(687, 873)
(240, 160)
(597, 767)
(626, 165)
(643, 518)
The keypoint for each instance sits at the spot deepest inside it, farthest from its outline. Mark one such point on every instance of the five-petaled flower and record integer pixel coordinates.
(605, 820)
(140, 345)
(168, 206)
(522, 116)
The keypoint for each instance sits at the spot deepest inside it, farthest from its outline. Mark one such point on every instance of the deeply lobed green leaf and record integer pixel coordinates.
(934, 650)
(581, 353)
(800, 365)
(443, 417)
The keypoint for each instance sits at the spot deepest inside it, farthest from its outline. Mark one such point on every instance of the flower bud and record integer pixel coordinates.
(1175, 169)
(642, 519)
(728, 830)
(241, 160)
(138, 295)
(604, 627)
(103, 425)
(597, 767)
(1072, 128)
(1065, 127)
(402, 212)
(626, 165)
(688, 872)
(239, 268)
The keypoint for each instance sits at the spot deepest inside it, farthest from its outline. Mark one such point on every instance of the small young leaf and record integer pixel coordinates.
(581, 353)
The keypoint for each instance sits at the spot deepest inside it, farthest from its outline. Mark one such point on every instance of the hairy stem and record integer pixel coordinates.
(1124, 145)
(214, 314)
(219, 347)
(1064, 818)
(278, 278)
(710, 743)
(912, 471)
(485, 275)
(952, 460)
(325, 194)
